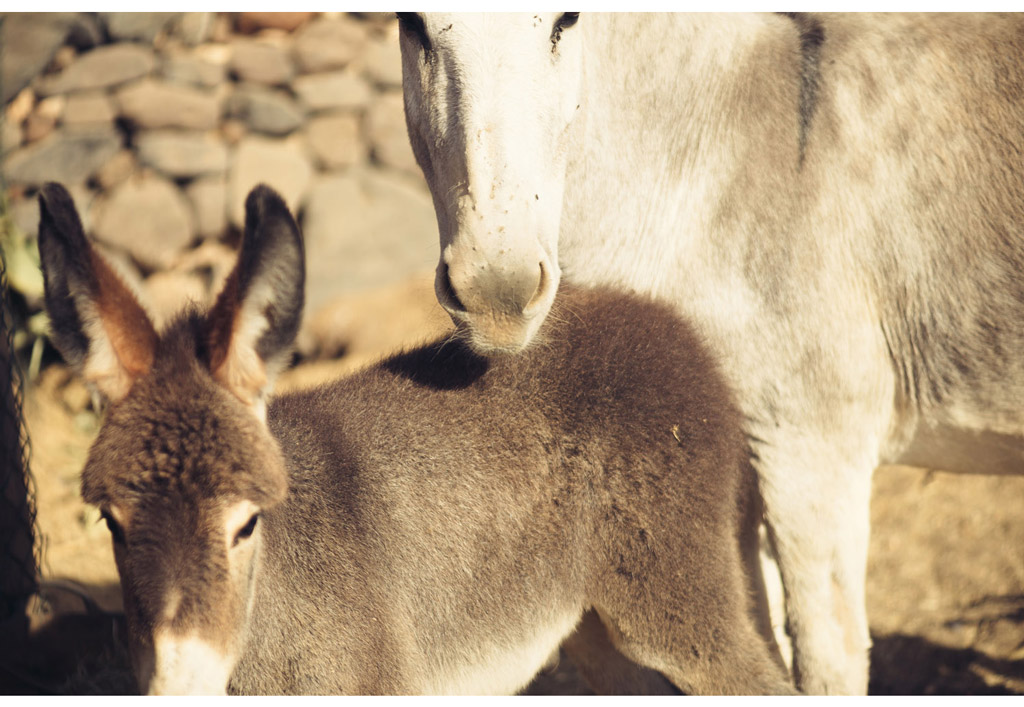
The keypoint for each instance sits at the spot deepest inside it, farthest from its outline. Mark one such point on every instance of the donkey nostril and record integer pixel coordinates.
(451, 299)
(541, 291)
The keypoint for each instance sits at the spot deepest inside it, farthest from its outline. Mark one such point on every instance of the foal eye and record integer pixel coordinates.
(246, 529)
(113, 527)
(413, 22)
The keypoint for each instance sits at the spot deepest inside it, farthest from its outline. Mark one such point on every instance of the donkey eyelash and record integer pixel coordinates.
(568, 19)
(112, 525)
(246, 530)
(564, 22)
(413, 22)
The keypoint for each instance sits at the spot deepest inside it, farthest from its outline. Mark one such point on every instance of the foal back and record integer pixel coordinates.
(438, 523)
(602, 469)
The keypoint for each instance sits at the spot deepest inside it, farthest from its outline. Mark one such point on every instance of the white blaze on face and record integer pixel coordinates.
(489, 109)
(183, 662)
(189, 665)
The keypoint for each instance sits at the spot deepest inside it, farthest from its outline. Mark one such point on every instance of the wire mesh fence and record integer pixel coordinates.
(18, 559)
(19, 551)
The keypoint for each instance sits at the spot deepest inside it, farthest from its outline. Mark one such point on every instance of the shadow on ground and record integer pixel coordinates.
(911, 665)
(903, 664)
(73, 647)
(66, 645)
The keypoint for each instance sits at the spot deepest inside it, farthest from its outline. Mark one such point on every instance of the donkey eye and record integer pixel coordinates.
(565, 21)
(113, 527)
(413, 22)
(246, 530)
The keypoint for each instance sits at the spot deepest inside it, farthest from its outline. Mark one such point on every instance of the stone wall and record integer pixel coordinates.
(160, 123)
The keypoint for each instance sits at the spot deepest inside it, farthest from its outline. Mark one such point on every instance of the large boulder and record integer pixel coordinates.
(117, 169)
(136, 26)
(44, 117)
(63, 156)
(29, 40)
(334, 140)
(148, 218)
(328, 43)
(209, 199)
(193, 28)
(261, 62)
(255, 21)
(181, 154)
(193, 69)
(365, 228)
(280, 164)
(265, 110)
(103, 67)
(151, 103)
(88, 109)
(333, 90)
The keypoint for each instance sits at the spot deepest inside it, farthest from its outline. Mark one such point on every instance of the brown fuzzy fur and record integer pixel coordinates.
(443, 509)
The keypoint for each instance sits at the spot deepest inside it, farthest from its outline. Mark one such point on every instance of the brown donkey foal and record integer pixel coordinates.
(438, 523)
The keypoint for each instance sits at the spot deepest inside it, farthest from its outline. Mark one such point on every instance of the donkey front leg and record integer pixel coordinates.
(605, 669)
(817, 509)
(685, 614)
(715, 650)
(765, 606)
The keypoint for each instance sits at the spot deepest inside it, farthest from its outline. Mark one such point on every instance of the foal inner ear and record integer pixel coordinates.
(250, 330)
(96, 321)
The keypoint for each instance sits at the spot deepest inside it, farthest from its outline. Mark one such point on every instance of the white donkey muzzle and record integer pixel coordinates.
(501, 300)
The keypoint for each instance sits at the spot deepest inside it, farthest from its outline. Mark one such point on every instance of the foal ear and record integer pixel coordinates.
(96, 322)
(251, 327)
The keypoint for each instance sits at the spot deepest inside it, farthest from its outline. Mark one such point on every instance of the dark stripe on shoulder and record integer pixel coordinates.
(812, 36)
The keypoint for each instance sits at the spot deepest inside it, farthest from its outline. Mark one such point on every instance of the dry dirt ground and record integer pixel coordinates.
(945, 578)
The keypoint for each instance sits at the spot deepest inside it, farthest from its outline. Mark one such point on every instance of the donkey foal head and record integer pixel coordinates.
(184, 463)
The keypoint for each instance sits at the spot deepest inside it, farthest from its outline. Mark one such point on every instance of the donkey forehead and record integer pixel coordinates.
(174, 522)
(485, 41)
(483, 69)
(489, 26)
(182, 439)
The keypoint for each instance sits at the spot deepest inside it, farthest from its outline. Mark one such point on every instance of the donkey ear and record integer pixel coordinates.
(251, 327)
(97, 323)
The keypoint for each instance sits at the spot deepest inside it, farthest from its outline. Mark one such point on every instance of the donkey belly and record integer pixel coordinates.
(965, 451)
(960, 380)
(503, 669)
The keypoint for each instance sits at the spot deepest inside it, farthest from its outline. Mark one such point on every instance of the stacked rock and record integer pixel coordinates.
(160, 123)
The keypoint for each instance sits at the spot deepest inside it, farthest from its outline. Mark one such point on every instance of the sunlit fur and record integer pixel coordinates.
(836, 200)
(437, 523)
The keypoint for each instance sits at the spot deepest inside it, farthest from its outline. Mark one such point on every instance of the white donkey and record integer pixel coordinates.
(838, 200)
